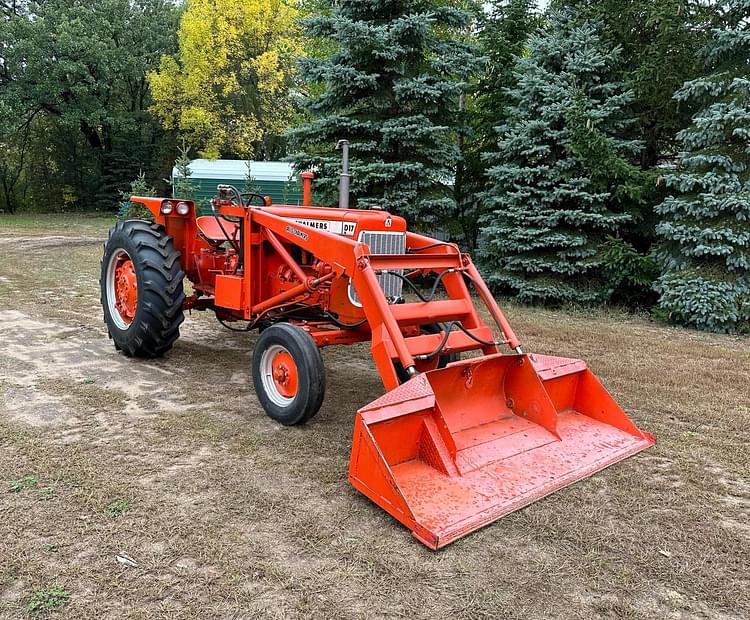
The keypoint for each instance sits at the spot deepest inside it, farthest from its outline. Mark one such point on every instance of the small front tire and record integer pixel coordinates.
(288, 374)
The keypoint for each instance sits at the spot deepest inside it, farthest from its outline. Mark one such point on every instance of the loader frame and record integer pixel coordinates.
(393, 329)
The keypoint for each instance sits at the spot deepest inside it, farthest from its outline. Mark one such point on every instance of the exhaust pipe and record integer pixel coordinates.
(344, 179)
(307, 179)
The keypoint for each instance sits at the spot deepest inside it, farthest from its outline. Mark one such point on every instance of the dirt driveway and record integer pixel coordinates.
(225, 514)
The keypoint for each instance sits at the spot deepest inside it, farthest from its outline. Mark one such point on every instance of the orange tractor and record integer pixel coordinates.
(455, 443)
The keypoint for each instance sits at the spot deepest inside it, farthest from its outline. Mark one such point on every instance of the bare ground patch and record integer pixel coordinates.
(39, 242)
(228, 515)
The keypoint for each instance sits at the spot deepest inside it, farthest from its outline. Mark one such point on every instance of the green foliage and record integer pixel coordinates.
(115, 509)
(561, 178)
(228, 89)
(135, 210)
(249, 184)
(705, 226)
(46, 493)
(630, 274)
(183, 184)
(72, 84)
(392, 88)
(710, 304)
(23, 483)
(660, 40)
(14, 145)
(50, 599)
(504, 28)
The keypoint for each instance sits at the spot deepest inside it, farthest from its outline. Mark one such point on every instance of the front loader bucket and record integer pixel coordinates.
(452, 450)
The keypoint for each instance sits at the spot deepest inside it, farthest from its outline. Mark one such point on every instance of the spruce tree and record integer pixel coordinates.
(503, 30)
(660, 41)
(134, 210)
(183, 184)
(562, 182)
(392, 88)
(705, 225)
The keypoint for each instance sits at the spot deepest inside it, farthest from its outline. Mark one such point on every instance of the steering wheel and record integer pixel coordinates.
(251, 195)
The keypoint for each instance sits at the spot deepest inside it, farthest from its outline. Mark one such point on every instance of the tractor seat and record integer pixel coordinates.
(209, 229)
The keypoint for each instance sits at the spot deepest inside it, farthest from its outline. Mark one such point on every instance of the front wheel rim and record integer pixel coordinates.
(122, 289)
(279, 375)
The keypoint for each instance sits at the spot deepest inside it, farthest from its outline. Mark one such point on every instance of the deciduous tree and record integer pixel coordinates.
(77, 69)
(229, 89)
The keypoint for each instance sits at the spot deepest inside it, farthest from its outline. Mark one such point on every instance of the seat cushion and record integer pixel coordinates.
(210, 229)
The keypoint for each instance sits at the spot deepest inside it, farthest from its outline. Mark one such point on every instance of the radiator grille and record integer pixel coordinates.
(383, 243)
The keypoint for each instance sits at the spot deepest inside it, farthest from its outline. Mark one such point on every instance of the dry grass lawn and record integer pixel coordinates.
(229, 515)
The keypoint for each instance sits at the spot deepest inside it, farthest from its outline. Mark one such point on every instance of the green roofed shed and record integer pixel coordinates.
(268, 178)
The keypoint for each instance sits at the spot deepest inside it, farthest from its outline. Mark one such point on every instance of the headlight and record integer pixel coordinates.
(183, 208)
(167, 207)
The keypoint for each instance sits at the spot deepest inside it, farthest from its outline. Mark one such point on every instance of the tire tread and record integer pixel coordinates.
(160, 295)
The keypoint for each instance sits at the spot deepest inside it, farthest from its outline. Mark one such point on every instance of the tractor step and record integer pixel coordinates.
(438, 311)
(419, 260)
(455, 449)
(457, 341)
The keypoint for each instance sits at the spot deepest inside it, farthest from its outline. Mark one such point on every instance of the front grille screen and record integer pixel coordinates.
(383, 243)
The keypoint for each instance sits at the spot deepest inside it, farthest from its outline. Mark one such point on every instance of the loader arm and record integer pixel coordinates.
(388, 344)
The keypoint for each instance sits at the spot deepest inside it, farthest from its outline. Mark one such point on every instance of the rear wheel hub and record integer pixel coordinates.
(122, 289)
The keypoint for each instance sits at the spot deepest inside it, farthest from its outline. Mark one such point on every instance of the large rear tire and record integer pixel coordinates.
(288, 374)
(141, 289)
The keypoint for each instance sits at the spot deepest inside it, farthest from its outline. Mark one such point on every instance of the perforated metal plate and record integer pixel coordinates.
(383, 243)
